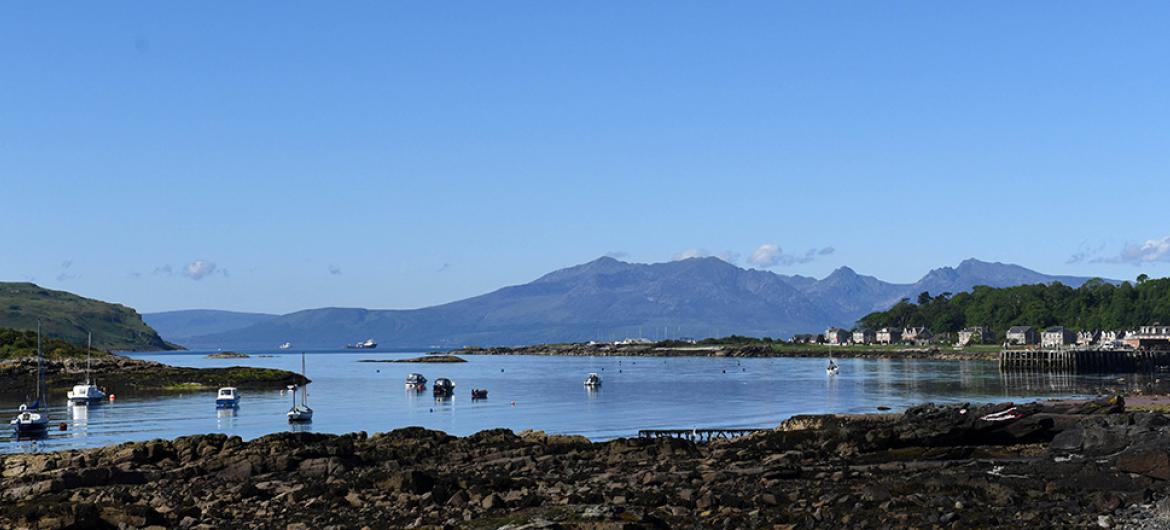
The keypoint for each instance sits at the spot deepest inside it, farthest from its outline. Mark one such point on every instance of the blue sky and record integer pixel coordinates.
(271, 156)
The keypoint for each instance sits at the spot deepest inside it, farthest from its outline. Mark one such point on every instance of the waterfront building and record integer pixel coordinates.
(1057, 337)
(1088, 338)
(916, 335)
(889, 335)
(1022, 336)
(975, 335)
(864, 336)
(837, 336)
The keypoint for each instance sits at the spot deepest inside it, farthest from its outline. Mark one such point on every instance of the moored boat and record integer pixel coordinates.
(228, 397)
(593, 381)
(87, 392)
(478, 393)
(300, 412)
(286, 346)
(416, 382)
(444, 387)
(31, 420)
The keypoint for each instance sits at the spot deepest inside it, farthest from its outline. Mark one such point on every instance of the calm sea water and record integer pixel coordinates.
(536, 392)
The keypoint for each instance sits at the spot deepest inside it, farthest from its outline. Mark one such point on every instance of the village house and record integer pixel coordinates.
(889, 335)
(864, 336)
(837, 336)
(1113, 339)
(1057, 337)
(975, 335)
(1088, 338)
(916, 335)
(1022, 336)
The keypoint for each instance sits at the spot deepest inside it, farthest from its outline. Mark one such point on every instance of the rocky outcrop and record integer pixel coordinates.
(121, 374)
(997, 466)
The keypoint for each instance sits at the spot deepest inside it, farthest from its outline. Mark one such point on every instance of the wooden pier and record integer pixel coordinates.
(697, 435)
(1085, 360)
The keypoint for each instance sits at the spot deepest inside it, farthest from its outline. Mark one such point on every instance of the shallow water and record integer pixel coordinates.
(538, 392)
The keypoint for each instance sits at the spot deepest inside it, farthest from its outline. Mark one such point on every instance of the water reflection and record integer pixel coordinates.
(546, 393)
(300, 427)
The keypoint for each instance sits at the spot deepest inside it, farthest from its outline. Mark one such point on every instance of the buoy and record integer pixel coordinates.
(63, 427)
(513, 403)
(113, 397)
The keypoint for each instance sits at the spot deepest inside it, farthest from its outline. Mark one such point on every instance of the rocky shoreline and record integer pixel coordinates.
(120, 374)
(729, 350)
(1042, 465)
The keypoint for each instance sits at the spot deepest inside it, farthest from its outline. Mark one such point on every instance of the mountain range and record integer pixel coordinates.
(603, 299)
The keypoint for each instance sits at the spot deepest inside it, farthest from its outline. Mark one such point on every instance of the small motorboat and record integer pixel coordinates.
(227, 398)
(832, 369)
(286, 346)
(416, 382)
(444, 387)
(300, 412)
(478, 393)
(87, 392)
(593, 381)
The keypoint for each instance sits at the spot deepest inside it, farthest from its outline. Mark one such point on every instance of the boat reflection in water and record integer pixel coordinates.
(79, 412)
(302, 426)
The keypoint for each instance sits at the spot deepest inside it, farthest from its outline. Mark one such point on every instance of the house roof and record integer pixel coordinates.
(1019, 329)
(1055, 329)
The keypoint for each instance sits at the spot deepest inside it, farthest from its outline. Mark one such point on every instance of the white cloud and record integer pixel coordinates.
(767, 255)
(690, 253)
(1153, 250)
(335, 270)
(199, 269)
(771, 255)
(163, 270)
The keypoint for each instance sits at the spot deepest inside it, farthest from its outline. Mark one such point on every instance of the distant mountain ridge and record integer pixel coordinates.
(179, 326)
(607, 298)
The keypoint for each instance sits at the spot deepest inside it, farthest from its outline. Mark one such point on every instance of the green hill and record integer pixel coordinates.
(1096, 305)
(69, 317)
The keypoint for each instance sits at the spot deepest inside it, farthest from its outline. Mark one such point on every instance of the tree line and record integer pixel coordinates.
(1096, 305)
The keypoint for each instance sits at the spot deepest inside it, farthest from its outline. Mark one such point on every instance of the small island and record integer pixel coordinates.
(65, 364)
(442, 358)
(229, 355)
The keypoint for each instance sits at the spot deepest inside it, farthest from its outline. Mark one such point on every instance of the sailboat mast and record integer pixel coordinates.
(40, 367)
(305, 394)
(88, 349)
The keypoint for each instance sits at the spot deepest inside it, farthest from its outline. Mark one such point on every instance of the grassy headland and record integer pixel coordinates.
(69, 317)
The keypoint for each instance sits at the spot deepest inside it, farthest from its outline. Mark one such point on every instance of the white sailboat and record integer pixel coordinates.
(32, 420)
(88, 392)
(300, 413)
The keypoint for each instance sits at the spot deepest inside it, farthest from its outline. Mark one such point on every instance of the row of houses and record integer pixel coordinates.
(1060, 337)
(916, 335)
(1054, 337)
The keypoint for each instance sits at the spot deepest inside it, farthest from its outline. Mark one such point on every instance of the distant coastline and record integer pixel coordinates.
(750, 350)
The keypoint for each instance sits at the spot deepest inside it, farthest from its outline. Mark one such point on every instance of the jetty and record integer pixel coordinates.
(1086, 360)
(697, 435)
